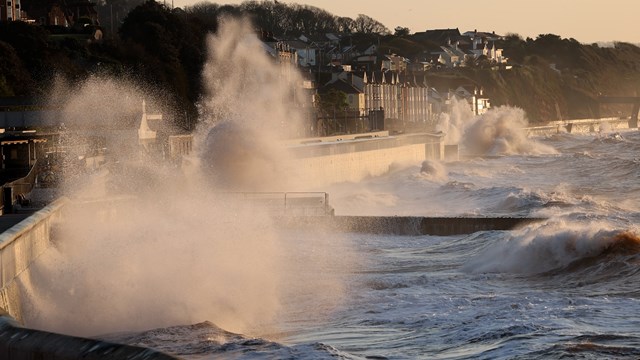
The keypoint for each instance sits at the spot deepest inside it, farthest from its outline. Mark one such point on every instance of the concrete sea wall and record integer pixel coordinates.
(21, 245)
(321, 162)
(580, 126)
(408, 225)
(18, 343)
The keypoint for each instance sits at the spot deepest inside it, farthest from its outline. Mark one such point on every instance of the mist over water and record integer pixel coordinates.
(146, 245)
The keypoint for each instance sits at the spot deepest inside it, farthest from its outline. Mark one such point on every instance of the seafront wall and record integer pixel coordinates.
(580, 126)
(18, 343)
(321, 162)
(324, 161)
(20, 246)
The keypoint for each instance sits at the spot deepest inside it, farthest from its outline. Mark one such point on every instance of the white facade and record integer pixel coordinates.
(10, 10)
(403, 101)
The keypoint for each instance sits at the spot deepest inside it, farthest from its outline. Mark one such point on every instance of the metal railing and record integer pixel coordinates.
(289, 203)
(17, 189)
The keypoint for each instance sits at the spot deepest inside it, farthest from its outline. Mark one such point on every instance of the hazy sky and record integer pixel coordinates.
(584, 20)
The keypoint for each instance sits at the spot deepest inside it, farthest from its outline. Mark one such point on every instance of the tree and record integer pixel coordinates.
(367, 25)
(345, 25)
(401, 31)
(331, 105)
(113, 12)
(167, 49)
(15, 80)
(331, 102)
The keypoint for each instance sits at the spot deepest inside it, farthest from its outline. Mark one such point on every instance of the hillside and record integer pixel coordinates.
(555, 78)
(549, 77)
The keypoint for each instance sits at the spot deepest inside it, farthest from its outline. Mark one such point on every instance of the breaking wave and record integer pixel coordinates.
(555, 246)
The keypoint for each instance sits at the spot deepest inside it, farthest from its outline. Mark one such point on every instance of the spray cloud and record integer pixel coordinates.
(499, 131)
(183, 249)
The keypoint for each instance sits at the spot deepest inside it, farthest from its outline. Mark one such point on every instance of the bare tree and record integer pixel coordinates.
(367, 25)
(345, 24)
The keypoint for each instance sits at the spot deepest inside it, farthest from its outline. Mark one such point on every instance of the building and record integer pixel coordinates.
(402, 100)
(10, 10)
(306, 53)
(475, 97)
(355, 94)
(458, 50)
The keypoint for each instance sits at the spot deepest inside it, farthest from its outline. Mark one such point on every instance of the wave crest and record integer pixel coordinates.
(552, 246)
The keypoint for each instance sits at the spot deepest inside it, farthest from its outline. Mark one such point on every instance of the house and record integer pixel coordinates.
(484, 44)
(355, 95)
(342, 54)
(320, 41)
(458, 50)
(402, 97)
(387, 99)
(281, 52)
(80, 13)
(394, 62)
(438, 36)
(10, 10)
(305, 52)
(492, 36)
(419, 66)
(474, 96)
(437, 102)
(450, 57)
(365, 49)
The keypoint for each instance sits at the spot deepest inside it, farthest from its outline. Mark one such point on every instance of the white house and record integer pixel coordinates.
(474, 96)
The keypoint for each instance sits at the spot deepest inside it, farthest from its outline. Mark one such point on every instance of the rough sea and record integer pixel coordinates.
(567, 287)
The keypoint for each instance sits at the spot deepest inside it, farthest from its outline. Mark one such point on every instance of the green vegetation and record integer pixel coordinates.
(164, 48)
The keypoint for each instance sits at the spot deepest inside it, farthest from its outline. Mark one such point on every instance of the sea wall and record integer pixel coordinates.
(320, 162)
(21, 245)
(407, 225)
(18, 343)
(580, 126)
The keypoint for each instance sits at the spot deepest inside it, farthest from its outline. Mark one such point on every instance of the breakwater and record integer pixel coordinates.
(408, 225)
(18, 343)
(600, 125)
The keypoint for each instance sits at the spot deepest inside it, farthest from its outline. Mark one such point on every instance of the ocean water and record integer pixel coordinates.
(567, 287)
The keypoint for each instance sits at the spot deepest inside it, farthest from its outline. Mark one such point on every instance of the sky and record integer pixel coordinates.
(587, 21)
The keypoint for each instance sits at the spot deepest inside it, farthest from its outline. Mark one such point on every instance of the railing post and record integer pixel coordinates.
(7, 199)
